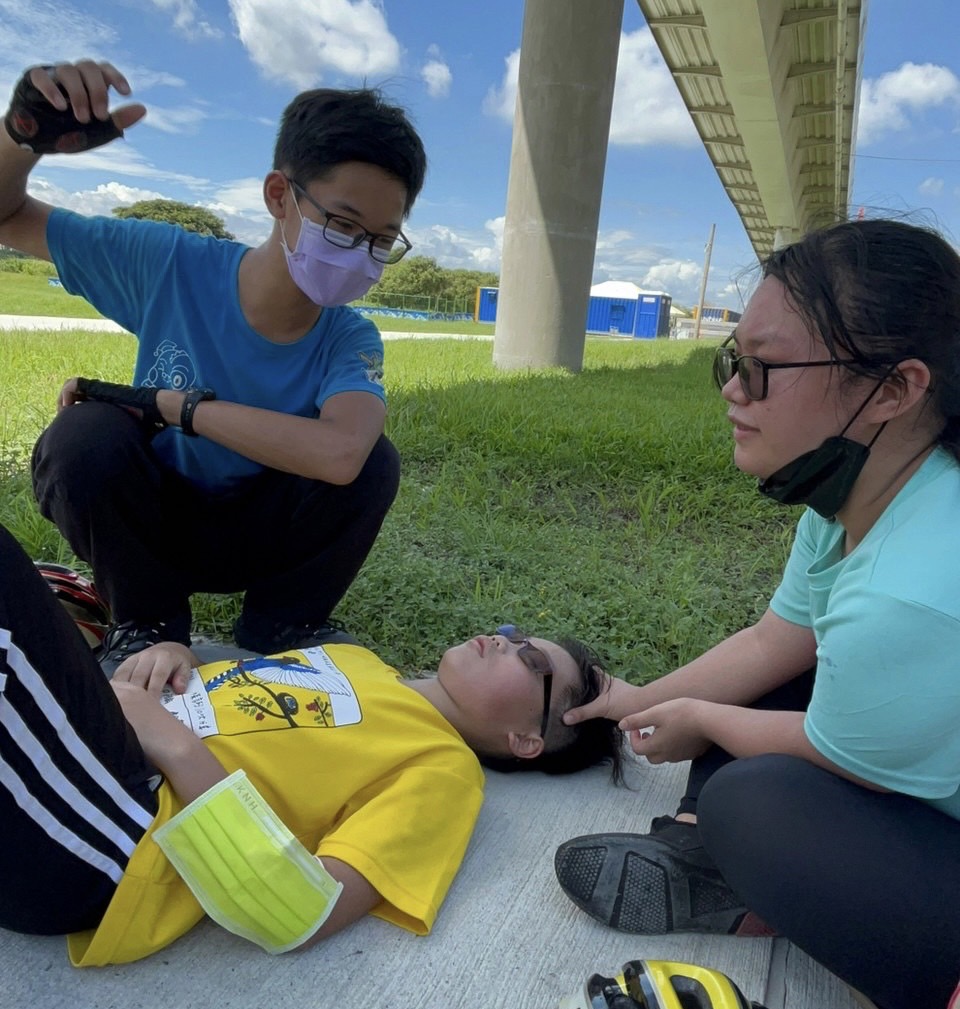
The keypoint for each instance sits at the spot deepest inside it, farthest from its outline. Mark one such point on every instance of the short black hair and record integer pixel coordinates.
(324, 128)
(570, 748)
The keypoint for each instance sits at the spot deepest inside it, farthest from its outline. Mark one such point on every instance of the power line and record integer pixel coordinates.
(884, 157)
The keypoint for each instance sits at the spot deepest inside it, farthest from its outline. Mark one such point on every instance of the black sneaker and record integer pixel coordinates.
(129, 637)
(652, 884)
(265, 636)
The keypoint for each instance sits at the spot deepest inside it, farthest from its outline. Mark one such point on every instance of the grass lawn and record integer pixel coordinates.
(604, 505)
(30, 294)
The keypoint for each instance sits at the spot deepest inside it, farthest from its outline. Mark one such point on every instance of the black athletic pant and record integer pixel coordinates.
(74, 795)
(153, 538)
(867, 883)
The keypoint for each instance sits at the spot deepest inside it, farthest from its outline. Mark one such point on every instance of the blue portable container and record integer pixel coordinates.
(486, 307)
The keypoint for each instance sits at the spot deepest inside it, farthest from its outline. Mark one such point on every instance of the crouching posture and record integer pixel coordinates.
(257, 400)
(285, 797)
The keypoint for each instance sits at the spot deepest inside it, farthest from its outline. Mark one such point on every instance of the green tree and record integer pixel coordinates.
(198, 219)
(418, 282)
(462, 285)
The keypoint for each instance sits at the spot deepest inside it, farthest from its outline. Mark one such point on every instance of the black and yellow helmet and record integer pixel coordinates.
(660, 984)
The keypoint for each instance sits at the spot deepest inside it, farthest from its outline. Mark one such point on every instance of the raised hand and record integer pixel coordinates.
(63, 109)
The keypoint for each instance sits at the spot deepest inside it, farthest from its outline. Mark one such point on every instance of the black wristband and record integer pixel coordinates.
(142, 398)
(191, 400)
(37, 126)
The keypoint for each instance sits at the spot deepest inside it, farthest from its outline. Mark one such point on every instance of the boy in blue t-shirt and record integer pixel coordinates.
(249, 453)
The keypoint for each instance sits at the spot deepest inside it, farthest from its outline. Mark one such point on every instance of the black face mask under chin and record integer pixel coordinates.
(822, 479)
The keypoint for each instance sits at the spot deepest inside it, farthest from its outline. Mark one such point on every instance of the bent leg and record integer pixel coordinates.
(96, 478)
(794, 695)
(863, 881)
(74, 794)
(320, 535)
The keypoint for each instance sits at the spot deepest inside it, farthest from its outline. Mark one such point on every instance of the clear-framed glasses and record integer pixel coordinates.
(537, 662)
(752, 372)
(347, 234)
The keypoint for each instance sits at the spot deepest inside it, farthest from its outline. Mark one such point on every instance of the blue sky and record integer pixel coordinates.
(215, 75)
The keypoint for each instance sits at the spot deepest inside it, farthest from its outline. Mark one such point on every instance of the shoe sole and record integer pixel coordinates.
(640, 885)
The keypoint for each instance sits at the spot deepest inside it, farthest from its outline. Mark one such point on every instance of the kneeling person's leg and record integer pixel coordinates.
(97, 479)
(321, 534)
(861, 880)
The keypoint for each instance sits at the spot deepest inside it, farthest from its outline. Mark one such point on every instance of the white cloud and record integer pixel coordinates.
(495, 226)
(736, 294)
(301, 41)
(40, 30)
(619, 256)
(888, 101)
(673, 274)
(241, 196)
(238, 204)
(647, 108)
(436, 75)
(931, 187)
(501, 100)
(120, 158)
(186, 119)
(144, 78)
(458, 250)
(34, 32)
(99, 201)
(186, 19)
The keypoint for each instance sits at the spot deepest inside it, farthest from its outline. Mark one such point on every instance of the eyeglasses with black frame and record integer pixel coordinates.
(347, 234)
(537, 662)
(752, 372)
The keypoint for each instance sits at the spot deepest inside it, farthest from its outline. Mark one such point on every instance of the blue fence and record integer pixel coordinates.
(409, 313)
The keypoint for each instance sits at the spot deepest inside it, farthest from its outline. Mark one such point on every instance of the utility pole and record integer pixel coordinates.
(703, 282)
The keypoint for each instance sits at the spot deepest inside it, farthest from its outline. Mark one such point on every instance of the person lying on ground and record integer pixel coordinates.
(286, 797)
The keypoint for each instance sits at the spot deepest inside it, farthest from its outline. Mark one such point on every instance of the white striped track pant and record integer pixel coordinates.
(74, 795)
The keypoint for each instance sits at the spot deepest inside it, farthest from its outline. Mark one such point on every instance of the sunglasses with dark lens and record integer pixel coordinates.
(752, 372)
(537, 662)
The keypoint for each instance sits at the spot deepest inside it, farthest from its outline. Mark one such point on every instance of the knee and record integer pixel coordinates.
(84, 446)
(748, 801)
(379, 479)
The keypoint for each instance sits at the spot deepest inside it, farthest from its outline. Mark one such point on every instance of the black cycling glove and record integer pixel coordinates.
(36, 125)
(141, 398)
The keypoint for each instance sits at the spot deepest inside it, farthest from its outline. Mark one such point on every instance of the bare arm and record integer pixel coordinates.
(737, 671)
(356, 899)
(174, 750)
(683, 728)
(23, 220)
(332, 447)
(191, 769)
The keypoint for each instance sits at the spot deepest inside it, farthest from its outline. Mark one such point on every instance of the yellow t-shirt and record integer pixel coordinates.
(356, 764)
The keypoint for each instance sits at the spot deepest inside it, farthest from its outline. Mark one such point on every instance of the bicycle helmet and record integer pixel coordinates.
(80, 598)
(660, 984)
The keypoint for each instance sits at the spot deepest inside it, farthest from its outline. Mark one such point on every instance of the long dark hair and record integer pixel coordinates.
(878, 292)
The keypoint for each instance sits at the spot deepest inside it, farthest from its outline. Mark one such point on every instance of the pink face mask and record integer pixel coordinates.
(326, 273)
